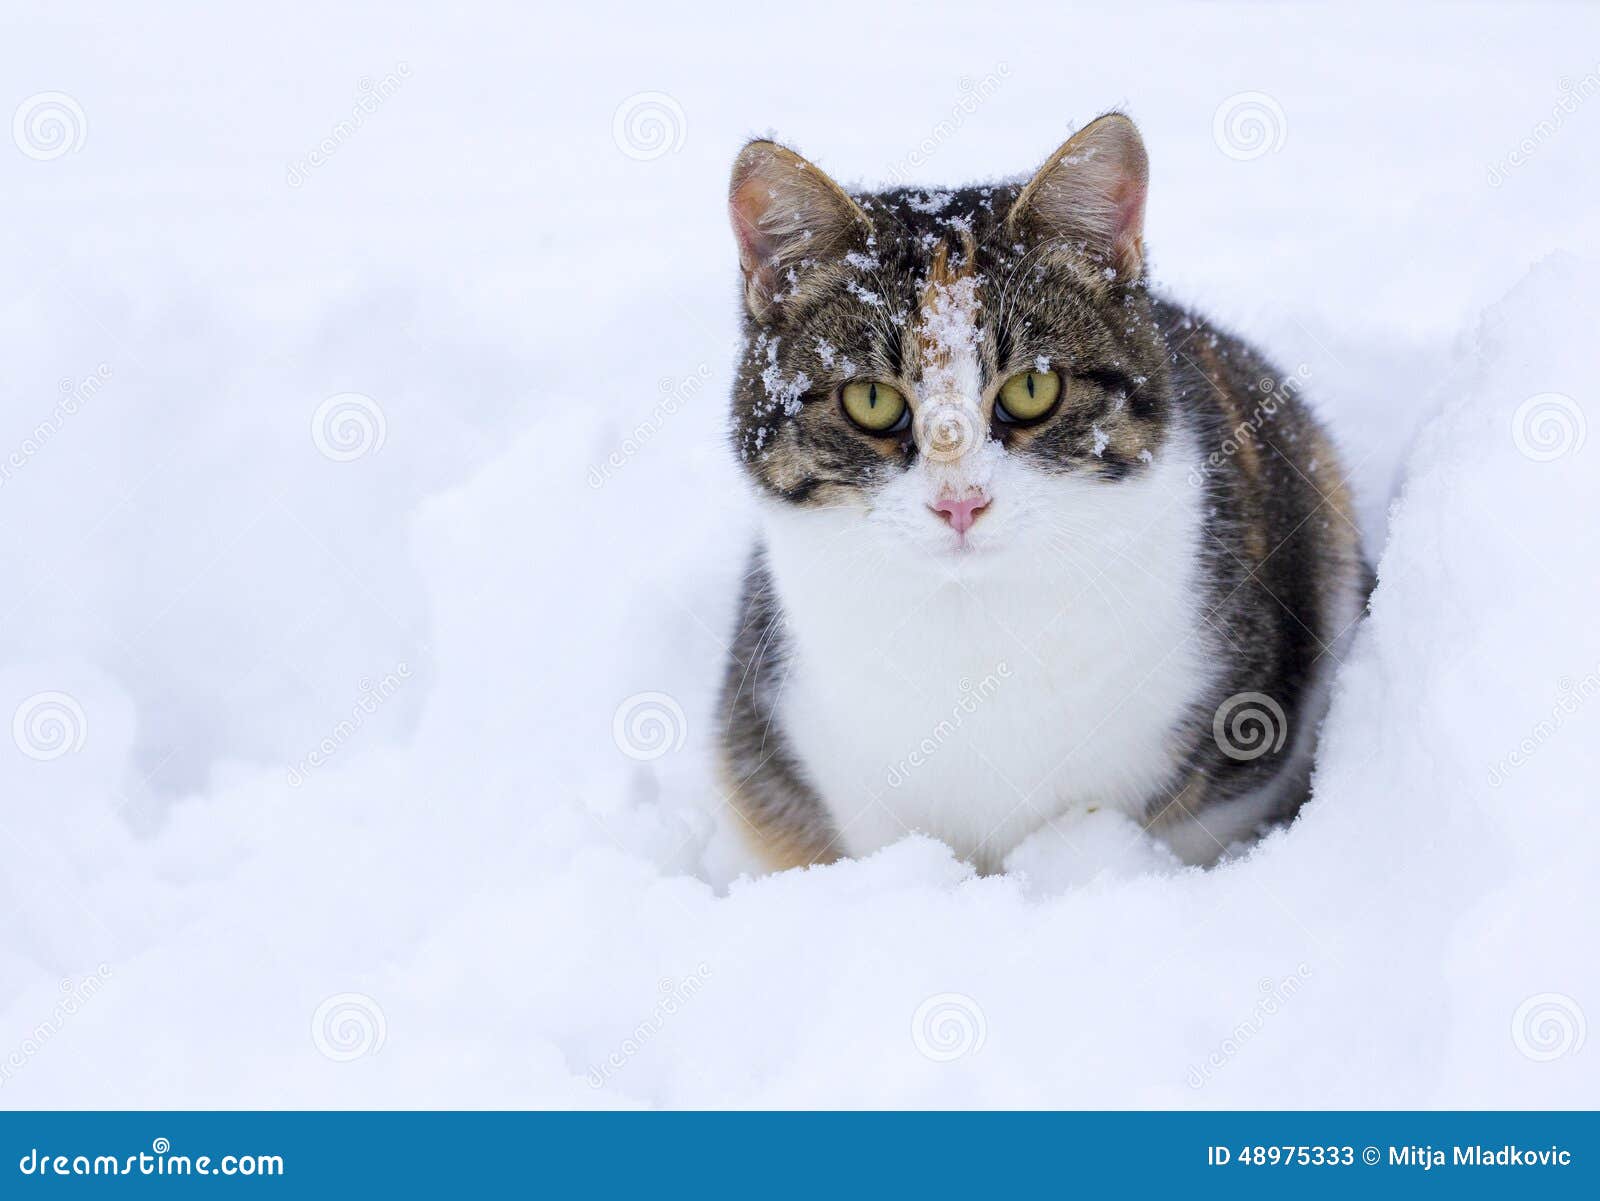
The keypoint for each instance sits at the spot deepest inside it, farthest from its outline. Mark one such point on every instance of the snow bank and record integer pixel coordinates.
(516, 912)
(348, 773)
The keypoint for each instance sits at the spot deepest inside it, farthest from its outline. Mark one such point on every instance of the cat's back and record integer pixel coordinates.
(1275, 480)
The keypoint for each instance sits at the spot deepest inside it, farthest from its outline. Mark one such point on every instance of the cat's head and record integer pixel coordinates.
(948, 367)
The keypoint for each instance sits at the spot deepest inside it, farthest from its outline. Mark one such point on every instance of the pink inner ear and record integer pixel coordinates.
(1093, 190)
(1129, 200)
(1129, 204)
(746, 208)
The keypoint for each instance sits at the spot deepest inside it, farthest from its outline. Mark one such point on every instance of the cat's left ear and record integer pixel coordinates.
(784, 209)
(1091, 191)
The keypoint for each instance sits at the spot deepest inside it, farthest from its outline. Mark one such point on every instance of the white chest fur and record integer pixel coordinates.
(975, 695)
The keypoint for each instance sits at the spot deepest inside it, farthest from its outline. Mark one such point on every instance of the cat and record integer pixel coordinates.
(1034, 540)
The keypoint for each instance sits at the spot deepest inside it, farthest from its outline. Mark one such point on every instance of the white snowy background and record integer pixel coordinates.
(514, 272)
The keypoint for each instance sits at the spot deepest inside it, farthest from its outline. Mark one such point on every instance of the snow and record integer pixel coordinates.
(930, 202)
(509, 883)
(866, 295)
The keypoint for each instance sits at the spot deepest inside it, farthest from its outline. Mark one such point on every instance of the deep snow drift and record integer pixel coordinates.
(360, 745)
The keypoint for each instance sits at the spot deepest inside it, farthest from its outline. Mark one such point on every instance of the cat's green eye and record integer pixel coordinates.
(876, 408)
(1028, 396)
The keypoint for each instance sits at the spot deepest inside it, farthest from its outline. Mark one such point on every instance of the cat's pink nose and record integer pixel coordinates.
(961, 513)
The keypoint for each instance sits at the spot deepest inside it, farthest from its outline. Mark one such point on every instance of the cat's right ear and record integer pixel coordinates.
(784, 209)
(1091, 192)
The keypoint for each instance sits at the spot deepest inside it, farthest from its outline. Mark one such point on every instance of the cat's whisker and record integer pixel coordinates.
(1089, 536)
(755, 660)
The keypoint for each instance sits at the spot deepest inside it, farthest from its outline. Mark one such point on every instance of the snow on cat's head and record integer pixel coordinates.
(950, 373)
